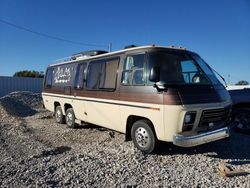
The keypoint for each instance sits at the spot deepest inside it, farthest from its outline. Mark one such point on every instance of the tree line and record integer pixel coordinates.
(28, 73)
(242, 82)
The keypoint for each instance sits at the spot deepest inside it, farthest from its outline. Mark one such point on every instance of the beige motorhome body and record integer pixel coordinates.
(114, 90)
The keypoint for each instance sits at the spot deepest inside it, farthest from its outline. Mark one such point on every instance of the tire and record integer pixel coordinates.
(143, 136)
(70, 118)
(241, 120)
(59, 117)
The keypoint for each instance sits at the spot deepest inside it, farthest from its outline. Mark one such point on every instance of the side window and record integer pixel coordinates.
(49, 78)
(102, 74)
(133, 70)
(94, 75)
(80, 75)
(189, 70)
(110, 74)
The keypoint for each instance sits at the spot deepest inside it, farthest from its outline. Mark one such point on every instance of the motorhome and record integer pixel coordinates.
(149, 93)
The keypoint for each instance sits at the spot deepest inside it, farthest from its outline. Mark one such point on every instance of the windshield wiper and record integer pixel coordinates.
(220, 76)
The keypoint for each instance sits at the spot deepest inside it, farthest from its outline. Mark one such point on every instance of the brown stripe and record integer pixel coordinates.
(177, 95)
(114, 103)
(141, 94)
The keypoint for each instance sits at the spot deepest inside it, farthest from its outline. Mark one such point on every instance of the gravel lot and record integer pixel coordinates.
(35, 151)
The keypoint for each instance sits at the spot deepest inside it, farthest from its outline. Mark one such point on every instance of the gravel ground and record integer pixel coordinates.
(37, 152)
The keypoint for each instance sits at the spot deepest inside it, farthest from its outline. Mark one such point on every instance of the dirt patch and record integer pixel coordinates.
(54, 151)
(20, 104)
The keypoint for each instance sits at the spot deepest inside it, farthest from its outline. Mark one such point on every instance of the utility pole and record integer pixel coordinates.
(228, 79)
(110, 47)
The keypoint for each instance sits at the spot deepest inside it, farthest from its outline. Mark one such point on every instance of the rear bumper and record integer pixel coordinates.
(189, 141)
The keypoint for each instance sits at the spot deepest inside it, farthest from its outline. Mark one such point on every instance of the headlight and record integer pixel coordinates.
(187, 118)
(188, 121)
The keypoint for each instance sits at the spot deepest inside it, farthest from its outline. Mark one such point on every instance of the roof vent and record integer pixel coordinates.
(88, 54)
(130, 46)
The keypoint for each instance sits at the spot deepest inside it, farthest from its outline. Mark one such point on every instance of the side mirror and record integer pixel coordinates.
(154, 75)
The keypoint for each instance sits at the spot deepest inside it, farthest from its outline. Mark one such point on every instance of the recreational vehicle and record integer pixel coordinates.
(149, 93)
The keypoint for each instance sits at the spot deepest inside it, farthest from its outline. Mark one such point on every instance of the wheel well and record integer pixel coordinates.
(130, 121)
(67, 106)
(56, 104)
(241, 105)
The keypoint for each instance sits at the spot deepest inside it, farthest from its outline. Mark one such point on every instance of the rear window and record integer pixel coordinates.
(63, 75)
(49, 78)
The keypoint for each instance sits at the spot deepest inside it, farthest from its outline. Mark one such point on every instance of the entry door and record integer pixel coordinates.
(102, 104)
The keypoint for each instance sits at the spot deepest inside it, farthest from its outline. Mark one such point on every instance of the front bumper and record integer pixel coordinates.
(189, 141)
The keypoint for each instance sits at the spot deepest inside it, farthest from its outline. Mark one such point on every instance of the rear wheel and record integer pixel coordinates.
(59, 117)
(70, 118)
(241, 120)
(143, 136)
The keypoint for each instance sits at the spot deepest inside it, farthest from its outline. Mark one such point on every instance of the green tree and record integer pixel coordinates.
(242, 82)
(27, 73)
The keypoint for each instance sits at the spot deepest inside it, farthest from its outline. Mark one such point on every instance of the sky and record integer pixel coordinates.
(218, 30)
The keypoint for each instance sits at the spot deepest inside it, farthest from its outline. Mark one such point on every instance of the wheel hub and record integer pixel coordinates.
(142, 137)
(69, 118)
(243, 121)
(58, 115)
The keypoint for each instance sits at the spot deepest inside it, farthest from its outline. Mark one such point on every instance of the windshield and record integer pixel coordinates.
(205, 67)
(178, 68)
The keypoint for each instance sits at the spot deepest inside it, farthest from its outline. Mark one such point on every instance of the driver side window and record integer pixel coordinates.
(189, 72)
(133, 70)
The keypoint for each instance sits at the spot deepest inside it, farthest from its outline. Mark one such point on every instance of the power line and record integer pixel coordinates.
(50, 36)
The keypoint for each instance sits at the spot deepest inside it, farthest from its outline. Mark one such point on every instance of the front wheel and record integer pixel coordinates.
(241, 120)
(143, 136)
(70, 118)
